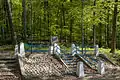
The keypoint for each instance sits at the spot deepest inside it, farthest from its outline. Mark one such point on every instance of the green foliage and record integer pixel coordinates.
(114, 57)
(53, 18)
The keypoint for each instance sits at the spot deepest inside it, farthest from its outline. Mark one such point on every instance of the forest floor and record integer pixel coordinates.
(45, 67)
(111, 73)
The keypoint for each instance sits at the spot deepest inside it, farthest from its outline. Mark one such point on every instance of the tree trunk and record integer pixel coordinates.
(64, 23)
(82, 24)
(9, 13)
(40, 22)
(113, 42)
(24, 17)
(45, 18)
(108, 33)
(71, 31)
(31, 21)
(6, 22)
(48, 21)
(61, 28)
(61, 24)
(71, 26)
(100, 34)
(94, 27)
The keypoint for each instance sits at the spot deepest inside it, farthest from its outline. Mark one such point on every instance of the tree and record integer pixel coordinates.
(24, 17)
(71, 26)
(108, 25)
(113, 42)
(9, 13)
(60, 18)
(94, 27)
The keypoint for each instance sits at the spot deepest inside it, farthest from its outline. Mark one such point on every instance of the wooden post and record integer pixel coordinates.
(22, 50)
(96, 51)
(21, 55)
(20, 59)
(80, 69)
(73, 49)
(50, 49)
(16, 50)
(101, 67)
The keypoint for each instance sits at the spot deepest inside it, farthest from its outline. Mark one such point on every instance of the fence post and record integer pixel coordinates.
(21, 55)
(16, 50)
(80, 69)
(73, 49)
(51, 49)
(22, 49)
(54, 41)
(96, 51)
(101, 67)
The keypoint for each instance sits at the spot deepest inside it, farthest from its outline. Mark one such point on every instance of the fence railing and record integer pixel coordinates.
(88, 59)
(36, 48)
(76, 50)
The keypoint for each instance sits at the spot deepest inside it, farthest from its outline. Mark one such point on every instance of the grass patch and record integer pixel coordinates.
(114, 57)
(7, 48)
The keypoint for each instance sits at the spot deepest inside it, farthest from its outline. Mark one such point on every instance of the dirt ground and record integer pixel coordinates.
(111, 73)
(45, 67)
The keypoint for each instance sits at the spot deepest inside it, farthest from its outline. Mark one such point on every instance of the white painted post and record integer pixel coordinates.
(51, 50)
(101, 67)
(73, 49)
(21, 55)
(22, 50)
(80, 70)
(21, 65)
(96, 50)
(56, 48)
(16, 50)
(77, 50)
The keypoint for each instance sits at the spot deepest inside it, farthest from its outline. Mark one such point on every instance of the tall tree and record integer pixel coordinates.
(45, 17)
(114, 24)
(82, 24)
(24, 17)
(71, 26)
(108, 26)
(9, 13)
(94, 27)
(61, 26)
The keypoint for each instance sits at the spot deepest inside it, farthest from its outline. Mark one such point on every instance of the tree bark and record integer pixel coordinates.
(61, 27)
(108, 33)
(94, 27)
(24, 17)
(9, 13)
(113, 42)
(45, 17)
(71, 26)
(100, 34)
(82, 24)
(61, 23)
